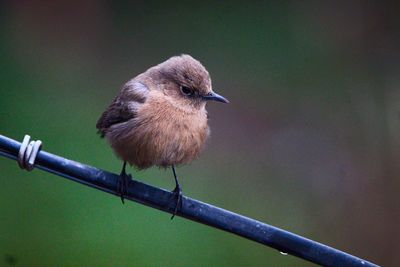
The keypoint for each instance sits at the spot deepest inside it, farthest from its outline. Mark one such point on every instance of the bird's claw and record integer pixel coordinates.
(178, 195)
(122, 185)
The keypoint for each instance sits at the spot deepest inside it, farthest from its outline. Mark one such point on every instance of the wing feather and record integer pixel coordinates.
(124, 107)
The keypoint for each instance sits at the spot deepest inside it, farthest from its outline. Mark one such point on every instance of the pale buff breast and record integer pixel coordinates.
(161, 135)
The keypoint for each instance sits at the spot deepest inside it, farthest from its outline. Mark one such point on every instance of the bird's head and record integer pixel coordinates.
(185, 82)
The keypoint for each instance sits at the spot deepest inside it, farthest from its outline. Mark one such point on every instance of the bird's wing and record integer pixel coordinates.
(132, 95)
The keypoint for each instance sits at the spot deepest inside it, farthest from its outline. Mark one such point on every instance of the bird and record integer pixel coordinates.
(159, 118)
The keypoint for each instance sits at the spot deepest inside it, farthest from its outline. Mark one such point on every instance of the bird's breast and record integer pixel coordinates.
(165, 135)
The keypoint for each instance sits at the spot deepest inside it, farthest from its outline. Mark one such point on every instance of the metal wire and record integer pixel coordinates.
(28, 152)
(283, 241)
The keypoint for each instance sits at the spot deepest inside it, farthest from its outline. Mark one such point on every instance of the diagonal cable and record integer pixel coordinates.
(284, 241)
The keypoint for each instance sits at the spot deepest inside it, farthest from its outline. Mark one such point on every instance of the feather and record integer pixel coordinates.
(124, 106)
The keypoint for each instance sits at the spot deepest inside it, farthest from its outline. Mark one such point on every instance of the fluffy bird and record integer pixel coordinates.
(159, 118)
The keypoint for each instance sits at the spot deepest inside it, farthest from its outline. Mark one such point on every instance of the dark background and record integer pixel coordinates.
(309, 143)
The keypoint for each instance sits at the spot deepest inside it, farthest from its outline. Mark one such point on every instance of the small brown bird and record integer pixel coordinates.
(159, 117)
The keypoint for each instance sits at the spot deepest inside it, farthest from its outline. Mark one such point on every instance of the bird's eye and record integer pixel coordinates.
(186, 91)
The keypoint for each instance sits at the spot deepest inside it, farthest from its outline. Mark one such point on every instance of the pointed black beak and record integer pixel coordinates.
(215, 97)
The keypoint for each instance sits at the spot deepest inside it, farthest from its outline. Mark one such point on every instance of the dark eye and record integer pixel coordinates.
(186, 91)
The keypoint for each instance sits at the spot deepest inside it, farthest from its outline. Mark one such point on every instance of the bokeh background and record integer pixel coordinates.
(309, 143)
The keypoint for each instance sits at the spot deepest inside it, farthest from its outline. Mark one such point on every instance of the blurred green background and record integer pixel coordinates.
(309, 143)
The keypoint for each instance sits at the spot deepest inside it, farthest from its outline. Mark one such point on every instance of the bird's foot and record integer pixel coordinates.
(123, 181)
(178, 195)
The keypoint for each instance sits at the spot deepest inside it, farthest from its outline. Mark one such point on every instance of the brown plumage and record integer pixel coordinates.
(159, 117)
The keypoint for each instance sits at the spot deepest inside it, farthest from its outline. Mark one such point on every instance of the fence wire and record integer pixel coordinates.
(283, 241)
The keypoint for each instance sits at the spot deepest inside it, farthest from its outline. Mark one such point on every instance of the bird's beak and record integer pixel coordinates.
(215, 97)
